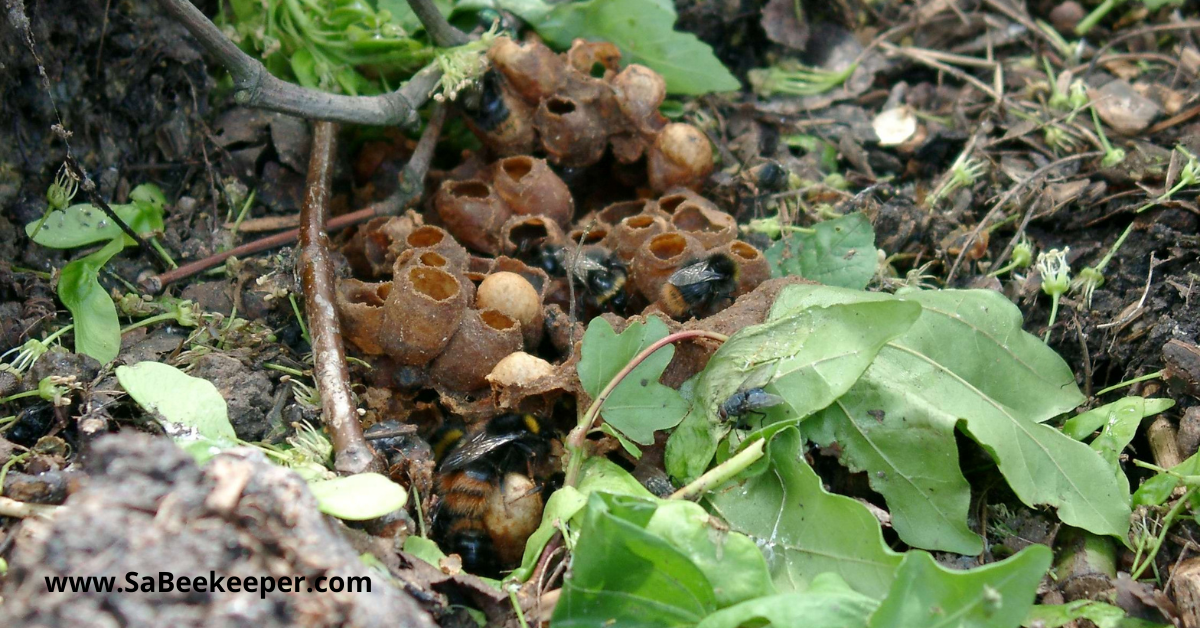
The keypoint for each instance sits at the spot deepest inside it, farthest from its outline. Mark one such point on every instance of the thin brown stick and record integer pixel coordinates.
(352, 454)
(256, 87)
(440, 31)
(412, 183)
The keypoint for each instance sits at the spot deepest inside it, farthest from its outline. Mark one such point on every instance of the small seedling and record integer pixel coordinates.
(1112, 156)
(58, 196)
(1022, 257)
(1056, 279)
(963, 174)
(27, 354)
(796, 79)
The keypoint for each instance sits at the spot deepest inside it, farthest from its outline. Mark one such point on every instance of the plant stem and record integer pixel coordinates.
(719, 474)
(1091, 19)
(1130, 382)
(20, 395)
(440, 31)
(23, 510)
(256, 87)
(1166, 526)
(575, 440)
(352, 453)
(1053, 315)
(148, 321)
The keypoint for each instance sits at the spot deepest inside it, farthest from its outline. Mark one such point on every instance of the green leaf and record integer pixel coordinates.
(1157, 490)
(731, 562)
(639, 405)
(809, 357)
(623, 575)
(828, 602)
(998, 595)
(403, 15)
(801, 529)
(190, 409)
(1099, 613)
(1118, 423)
(83, 224)
(644, 31)
(97, 328)
(897, 422)
(598, 474)
(841, 253)
(358, 497)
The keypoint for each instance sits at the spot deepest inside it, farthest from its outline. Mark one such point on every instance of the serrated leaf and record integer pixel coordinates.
(623, 575)
(97, 328)
(998, 595)
(644, 32)
(359, 497)
(809, 357)
(841, 253)
(83, 224)
(191, 410)
(828, 602)
(897, 421)
(639, 405)
(801, 529)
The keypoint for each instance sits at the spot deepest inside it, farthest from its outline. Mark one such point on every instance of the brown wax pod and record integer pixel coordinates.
(572, 131)
(431, 238)
(432, 258)
(483, 339)
(628, 147)
(639, 92)
(530, 187)
(533, 70)
(514, 295)
(613, 214)
(712, 227)
(672, 201)
(585, 55)
(503, 120)
(421, 313)
(680, 157)
(360, 308)
(590, 233)
(627, 237)
(660, 256)
(753, 268)
(473, 213)
(525, 234)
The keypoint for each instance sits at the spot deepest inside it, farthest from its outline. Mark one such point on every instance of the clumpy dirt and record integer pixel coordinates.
(147, 505)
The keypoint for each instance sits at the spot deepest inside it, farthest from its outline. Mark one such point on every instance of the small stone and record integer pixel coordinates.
(1065, 16)
(1122, 108)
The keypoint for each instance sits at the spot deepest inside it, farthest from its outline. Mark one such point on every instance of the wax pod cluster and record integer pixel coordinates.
(574, 106)
(654, 238)
(456, 315)
(481, 210)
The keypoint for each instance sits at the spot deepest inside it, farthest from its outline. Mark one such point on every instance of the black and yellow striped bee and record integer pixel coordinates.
(695, 289)
(597, 273)
(489, 503)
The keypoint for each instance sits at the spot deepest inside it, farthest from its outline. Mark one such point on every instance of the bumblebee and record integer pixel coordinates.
(751, 401)
(489, 110)
(696, 287)
(488, 507)
(599, 274)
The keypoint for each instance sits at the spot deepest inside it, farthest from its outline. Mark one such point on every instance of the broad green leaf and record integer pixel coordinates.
(828, 602)
(358, 497)
(83, 224)
(1157, 490)
(97, 328)
(801, 529)
(1118, 423)
(639, 405)
(402, 13)
(841, 253)
(597, 474)
(732, 562)
(897, 421)
(998, 595)
(1099, 613)
(623, 575)
(644, 31)
(190, 409)
(809, 357)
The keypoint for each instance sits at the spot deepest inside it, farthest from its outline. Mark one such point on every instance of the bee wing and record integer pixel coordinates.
(476, 447)
(693, 274)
